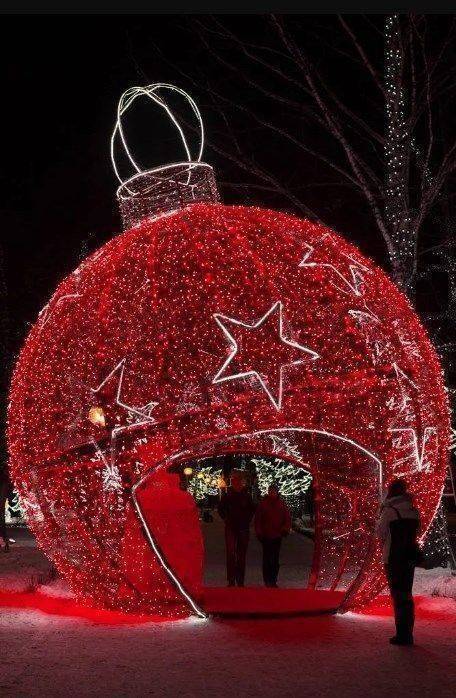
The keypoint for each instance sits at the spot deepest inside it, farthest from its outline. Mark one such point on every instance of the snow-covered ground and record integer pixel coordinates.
(296, 558)
(436, 582)
(51, 651)
(345, 656)
(24, 567)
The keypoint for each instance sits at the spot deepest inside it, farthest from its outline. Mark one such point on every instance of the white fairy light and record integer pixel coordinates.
(14, 509)
(290, 479)
(204, 483)
(396, 149)
(151, 92)
(283, 445)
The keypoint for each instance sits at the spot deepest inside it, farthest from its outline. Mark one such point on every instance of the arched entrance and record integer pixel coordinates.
(347, 481)
(208, 480)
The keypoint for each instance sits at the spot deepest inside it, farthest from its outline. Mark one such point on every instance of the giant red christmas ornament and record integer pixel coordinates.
(212, 329)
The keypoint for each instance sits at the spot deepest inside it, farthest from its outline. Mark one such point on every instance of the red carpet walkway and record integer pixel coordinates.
(263, 602)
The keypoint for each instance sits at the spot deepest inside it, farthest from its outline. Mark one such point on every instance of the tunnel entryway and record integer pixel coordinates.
(345, 481)
(208, 480)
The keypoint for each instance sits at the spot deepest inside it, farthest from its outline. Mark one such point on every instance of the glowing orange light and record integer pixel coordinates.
(97, 416)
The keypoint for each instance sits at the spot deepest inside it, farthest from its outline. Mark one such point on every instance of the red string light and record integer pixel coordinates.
(129, 370)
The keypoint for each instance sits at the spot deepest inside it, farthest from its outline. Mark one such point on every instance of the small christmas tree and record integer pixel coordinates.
(291, 480)
(14, 512)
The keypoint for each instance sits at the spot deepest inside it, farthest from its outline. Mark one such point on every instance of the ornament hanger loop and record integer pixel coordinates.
(152, 92)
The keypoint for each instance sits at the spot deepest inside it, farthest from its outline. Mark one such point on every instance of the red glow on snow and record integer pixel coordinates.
(68, 607)
(426, 608)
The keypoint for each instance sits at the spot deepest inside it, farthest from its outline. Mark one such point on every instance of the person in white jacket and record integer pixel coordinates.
(397, 528)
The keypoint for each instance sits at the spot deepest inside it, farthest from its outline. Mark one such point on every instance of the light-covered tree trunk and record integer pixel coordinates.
(399, 221)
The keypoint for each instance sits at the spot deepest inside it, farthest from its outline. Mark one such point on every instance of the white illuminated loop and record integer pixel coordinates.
(151, 92)
(221, 321)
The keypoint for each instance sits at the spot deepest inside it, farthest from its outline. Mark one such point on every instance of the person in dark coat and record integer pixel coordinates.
(236, 508)
(397, 529)
(272, 523)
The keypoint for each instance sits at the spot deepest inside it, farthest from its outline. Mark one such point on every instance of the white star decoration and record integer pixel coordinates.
(111, 479)
(45, 314)
(412, 457)
(357, 270)
(137, 416)
(144, 412)
(415, 459)
(404, 406)
(274, 313)
(414, 449)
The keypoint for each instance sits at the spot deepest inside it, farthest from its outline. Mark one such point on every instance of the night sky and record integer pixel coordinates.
(63, 77)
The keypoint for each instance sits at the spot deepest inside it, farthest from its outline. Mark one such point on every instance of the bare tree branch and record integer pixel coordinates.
(332, 123)
(362, 53)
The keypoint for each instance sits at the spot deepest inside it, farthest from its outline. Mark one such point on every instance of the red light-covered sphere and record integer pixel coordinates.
(210, 330)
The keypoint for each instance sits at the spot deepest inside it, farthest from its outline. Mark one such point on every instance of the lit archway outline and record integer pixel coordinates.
(188, 454)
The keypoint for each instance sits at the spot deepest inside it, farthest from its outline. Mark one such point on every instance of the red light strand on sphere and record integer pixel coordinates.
(154, 332)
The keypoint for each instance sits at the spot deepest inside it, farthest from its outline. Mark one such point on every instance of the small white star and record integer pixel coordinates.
(352, 285)
(48, 310)
(144, 412)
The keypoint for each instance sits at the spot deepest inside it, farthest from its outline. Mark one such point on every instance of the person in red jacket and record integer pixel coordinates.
(272, 523)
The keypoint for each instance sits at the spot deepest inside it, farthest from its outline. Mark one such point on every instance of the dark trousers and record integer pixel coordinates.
(400, 581)
(236, 543)
(271, 554)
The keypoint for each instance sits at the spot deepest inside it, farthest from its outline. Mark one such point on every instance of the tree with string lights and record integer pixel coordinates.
(292, 482)
(395, 164)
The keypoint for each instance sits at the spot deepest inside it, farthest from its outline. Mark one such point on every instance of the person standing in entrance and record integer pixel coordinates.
(397, 529)
(236, 508)
(272, 523)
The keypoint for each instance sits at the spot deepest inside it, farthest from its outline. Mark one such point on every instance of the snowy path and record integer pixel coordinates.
(296, 558)
(60, 651)
(343, 656)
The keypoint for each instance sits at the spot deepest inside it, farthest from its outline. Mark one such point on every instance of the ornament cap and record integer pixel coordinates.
(152, 192)
(165, 189)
